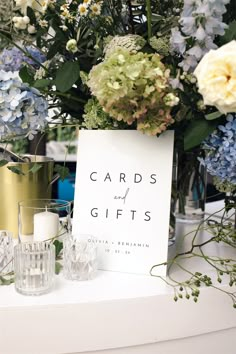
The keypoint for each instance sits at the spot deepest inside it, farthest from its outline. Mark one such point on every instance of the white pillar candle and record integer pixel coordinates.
(46, 225)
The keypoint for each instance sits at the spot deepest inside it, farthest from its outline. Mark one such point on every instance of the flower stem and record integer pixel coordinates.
(149, 18)
(129, 4)
(65, 95)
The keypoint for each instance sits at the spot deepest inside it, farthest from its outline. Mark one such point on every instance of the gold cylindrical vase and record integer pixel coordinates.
(27, 185)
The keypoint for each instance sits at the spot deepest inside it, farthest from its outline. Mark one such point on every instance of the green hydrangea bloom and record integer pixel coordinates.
(134, 88)
(95, 117)
(224, 187)
(161, 45)
(132, 42)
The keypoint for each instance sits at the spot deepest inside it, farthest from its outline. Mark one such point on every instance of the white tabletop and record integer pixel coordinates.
(115, 310)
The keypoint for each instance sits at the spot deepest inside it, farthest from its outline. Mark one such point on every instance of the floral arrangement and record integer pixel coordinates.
(119, 64)
(81, 40)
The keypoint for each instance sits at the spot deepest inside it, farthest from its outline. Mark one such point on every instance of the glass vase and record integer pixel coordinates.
(190, 196)
(172, 222)
(230, 205)
(44, 219)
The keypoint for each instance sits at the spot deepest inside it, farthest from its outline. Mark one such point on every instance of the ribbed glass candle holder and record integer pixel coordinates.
(34, 265)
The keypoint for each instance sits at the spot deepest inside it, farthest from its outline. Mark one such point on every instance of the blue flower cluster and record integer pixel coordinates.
(13, 59)
(220, 147)
(200, 22)
(23, 111)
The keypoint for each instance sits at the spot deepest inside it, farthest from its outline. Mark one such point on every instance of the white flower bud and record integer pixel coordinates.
(31, 29)
(19, 22)
(26, 20)
(171, 100)
(71, 46)
(17, 25)
(64, 28)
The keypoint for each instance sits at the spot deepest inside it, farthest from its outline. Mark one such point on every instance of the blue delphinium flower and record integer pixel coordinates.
(13, 59)
(200, 22)
(220, 147)
(23, 111)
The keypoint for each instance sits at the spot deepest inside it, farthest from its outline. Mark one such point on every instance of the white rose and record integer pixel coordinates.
(216, 77)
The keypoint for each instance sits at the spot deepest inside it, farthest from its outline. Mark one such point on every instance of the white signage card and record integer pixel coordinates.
(122, 197)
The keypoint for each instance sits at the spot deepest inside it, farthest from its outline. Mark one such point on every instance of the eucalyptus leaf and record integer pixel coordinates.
(156, 18)
(59, 246)
(6, 281)
(58, 267)
(63, 171)
(35, 167)
(16, 169)
(230, 33)
(66, 76)
(213, 115)
(3, 162)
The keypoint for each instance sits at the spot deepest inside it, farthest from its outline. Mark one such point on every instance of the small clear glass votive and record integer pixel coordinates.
(34, 265)
(80, 257)
(6, 252)
(44, 219)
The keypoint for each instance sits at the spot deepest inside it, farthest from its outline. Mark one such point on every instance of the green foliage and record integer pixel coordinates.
(63, 171)
(35, 168)
(16, 169)
(31, 15)
(42, 83)
(26, 75)
(58, 246)
(54, 49)
(3, 162)
(58, 268)
(20, 146)
(230, 33)
(223, 233)
(214, 115)
(197, 131)
(67, 76)
(5, 280)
